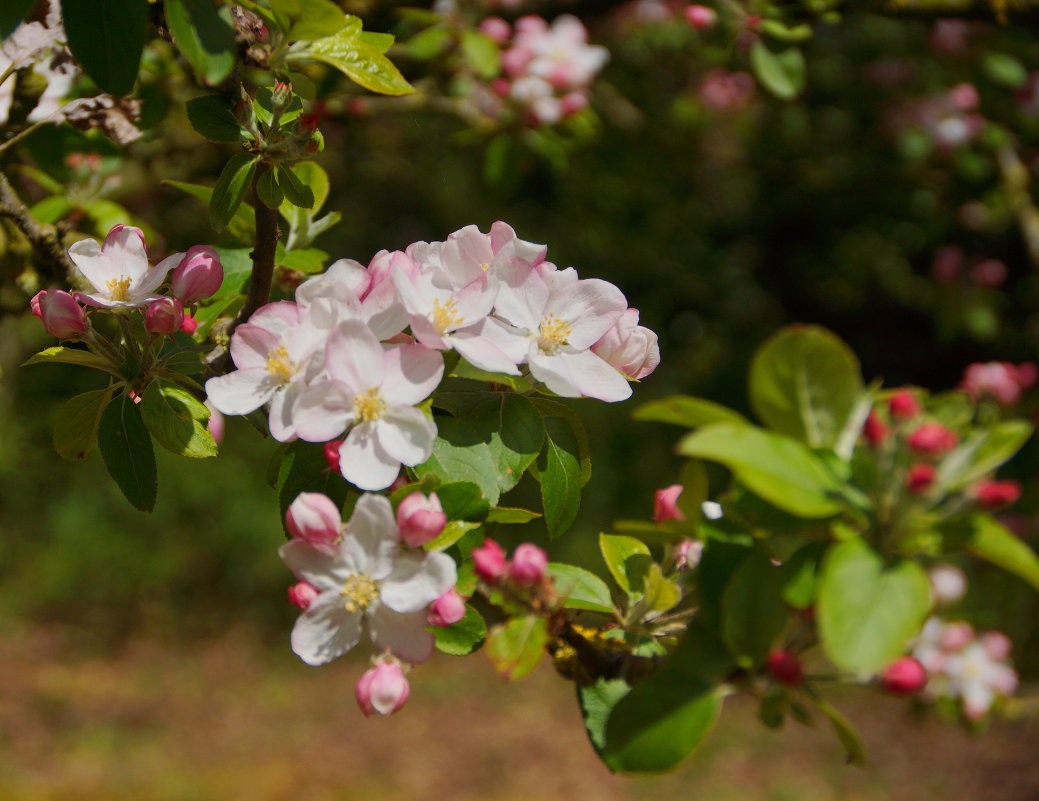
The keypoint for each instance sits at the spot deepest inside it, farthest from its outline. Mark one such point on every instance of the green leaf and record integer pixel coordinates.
(552, 408)
(786, 33)
(661, 594)
(268, 191)
(597, 702)
(378, 41)
(360, 62)
(1005, 69)
(51, 209)
(779, 469)
(317, 19)
(75, 427)
(753, 612)
(303, 468)
(295, 191)
(627, 559)
(868, 609)
(513, 515)
(311, 175)
(306, 260)
(516, 646)
(800, 572)
(981, 454)
(452, 533)
(177, 420)
(12, 12)
(463, 637)
(62, 355)
(107, 38)
(238, 267)
(242, 225)
(987, 538)
(493, 441)
(581, 589)
(782, 74)
(682, 410)
(212, 117)
(465, 370)
(429, 43)
(230, 189)
(204, 34)
(463, 500)
(806, 383)
(481, 52)
(126, 449)
(560, 477)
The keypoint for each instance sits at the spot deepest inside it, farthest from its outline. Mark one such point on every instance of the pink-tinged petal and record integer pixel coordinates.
(412, 373)
(572, 374)
(155, 276)
(304, 342)
(124, 247)
(404, 635)
(364, 462)
(522, 295)
(481, 352)
(323, 411)
(251, 346)
(475, 300)
(281, 416)
(355, 357)
(591, 307)
(95, 299)
(426, 333)
(506, 244)
(325, 569)
(406, 434)
(277, 317)
(96, 267)
(240, 392)
(464, 255)
(414, 301)
(347, 273)
(417, 580)
(326, 630)
(372, 536)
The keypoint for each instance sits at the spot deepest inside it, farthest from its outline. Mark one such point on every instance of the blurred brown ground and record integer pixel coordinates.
(235, 719)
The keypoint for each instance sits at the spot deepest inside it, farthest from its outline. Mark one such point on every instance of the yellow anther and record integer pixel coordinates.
(445, 315)
(486, 266)
(552, 333)
(279, 366)
(119, 288)
(369, 406)
(359, 592)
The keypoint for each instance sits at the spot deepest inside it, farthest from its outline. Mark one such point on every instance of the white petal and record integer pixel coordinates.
(590, 306)
(326, 630)
(412, 373)
(251, 346)
(280, 419)
(96, 267)
(373, 529)
(572, 374)
(404, 635)
(417, 580)
(355, 357)
(277, 317)
(240, 392)
(522, 295)
(481, 352)
(323, 411)
(406, 434)
(154, 277)
(325, 569)
(365, 462)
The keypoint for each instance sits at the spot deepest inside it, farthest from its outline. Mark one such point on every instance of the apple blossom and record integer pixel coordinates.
(164, 316)
(665, 504)
(367, 579)
(383, 688)
(1002, 381)
(373, 392)
(447, 610)
(977, 678)
(700, 17)
(61, 316)
(688, 554)
(118, 269)
(198, 275)
(629, 347)
(489, 561)
(420, 519)
(528, 565)
(314, 518)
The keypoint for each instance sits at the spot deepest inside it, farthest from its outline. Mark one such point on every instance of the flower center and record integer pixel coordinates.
(445, 315)
(359, 592)
(552, 333)
(119, 288)
(279, 366)
(369, 406)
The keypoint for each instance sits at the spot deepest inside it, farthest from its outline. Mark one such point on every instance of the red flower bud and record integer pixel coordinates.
(420, 519)
(905, 676)
(903, 405)
(932, 439)
(785, 668)
(303, 595)
(665, 504)
(332, 454)
(920, 478)
(528, 566)
(994, 494)
(874, 430)
(489, 561)
(198, 276)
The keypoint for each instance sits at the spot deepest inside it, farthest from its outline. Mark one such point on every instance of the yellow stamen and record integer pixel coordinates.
(552, 333)
(359, 592)
(369, 406)
(445, 316)
(119, 288)
(486, 266)
(279, 366)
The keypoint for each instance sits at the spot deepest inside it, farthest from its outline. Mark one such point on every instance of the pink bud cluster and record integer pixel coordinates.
(527, 569)
(950, 264)
(1004, 382)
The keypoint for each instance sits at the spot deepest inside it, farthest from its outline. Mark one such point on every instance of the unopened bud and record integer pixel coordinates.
(447, 610)
(189, 325)
(874, 430)
(314, 518)
(785, 668)
(920, 478)
(489, 561)
(332, 454)
(281, 95)
(528, 566)
(665, 504)
(61, 316)
(700, 17)
(932, 439)
(688, 554)
(420, 519)
(994, 494)
(383, 689)
(164, 316)
(216, 423)
(905, 676)
(903, 405)
(198, 276)
(303, 595)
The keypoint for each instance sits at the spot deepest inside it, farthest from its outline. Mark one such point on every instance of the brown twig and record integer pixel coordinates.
(42, 236)
(263, 253)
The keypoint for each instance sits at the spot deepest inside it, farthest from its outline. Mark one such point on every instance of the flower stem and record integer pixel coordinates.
(263, 253)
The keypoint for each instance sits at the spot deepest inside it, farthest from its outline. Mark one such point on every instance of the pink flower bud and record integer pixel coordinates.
(665, 504)
(904, 676)
(785, 668)
(501, 87)
(61, 316)
(964, 96)
(629, 347)
(572, 103)
(314, 518)
(948, 584)
(903, 405)
(489, 561)
(189, 325)
(198, 276)
(688, 554)
(303, 595)
(529, 563)
(874, 430)
(447, 610)
(383, 689)
(332, 454)
(932, 439)
(216, 423)
(164, 316)
(700, 17)
(920, 478)
(997, 644)
(994, 494)
(497, 29)
(420, 519)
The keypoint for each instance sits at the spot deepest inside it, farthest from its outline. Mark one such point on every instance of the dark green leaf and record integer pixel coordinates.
(212, 117)
(295, 191)
(12, 12)
(682, 410)
(230, 189)
(126, 448)
(107, 38)
(242, 225)
(304, 469)
(268, 191)
(463, 500)
(463, 637)
(177, 420)
(516, 646)
(204, 34)
(75, 427)
(560, 477)
(597, 702)
(799, 575)
(581, 589)
(509, 514)
(753, 612)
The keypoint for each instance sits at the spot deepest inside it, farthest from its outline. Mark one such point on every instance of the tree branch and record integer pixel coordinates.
(42, 236)
(263, 253)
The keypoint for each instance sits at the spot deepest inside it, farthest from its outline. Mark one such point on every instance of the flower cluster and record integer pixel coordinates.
(547, 68)
(964, 666)
(360, 348)
(1004, 382)
(949, 120)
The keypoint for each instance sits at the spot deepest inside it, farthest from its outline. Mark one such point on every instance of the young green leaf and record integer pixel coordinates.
(75, 427)
(782, 74)
(62, 355)
(212, 117)
(126, 448)
(987, 538)
(204, 34)
(316, 20)
(360, 62)
(463, 637)
(294, 189)
(628, 561)
(230, 189)
(481, 52)
(107, 38)
(982, 453)
(177, 420)
(516, 646)
(682, 410)
(581, 589)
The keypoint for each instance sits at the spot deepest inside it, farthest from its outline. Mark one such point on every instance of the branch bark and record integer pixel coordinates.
(263, 253)
(42, 236)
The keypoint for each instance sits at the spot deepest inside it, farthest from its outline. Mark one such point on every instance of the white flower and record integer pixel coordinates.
(367, 579)
(977, 678)
(119, 269)
(374, 391)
